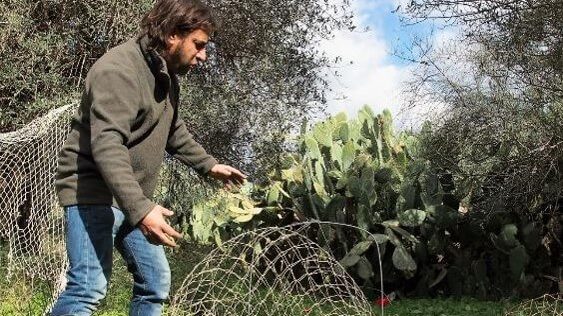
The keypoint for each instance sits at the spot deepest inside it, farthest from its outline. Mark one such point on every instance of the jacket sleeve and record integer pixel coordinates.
(182, 146)
(115, 100)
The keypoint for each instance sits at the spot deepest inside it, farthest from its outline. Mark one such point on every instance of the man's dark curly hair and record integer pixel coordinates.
(169, 17)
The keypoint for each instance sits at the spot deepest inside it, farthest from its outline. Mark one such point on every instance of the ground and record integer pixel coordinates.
(18, 298)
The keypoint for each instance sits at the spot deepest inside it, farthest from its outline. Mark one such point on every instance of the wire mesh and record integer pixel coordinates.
(31, 221)
(546, 305)
(271, 271)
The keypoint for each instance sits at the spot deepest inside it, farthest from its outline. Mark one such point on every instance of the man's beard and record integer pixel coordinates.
(176, 62)
(183, 69)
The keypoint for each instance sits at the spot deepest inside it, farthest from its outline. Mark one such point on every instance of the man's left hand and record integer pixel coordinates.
(229, 175)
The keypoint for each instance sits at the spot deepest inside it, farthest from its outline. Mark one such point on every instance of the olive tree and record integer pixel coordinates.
(264, 76)
(501, 134)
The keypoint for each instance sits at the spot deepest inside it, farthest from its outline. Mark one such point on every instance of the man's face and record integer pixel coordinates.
(184, 52)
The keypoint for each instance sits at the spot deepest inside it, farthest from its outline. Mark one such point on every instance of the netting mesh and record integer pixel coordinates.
(272, 271)
(547, 305)
(30, 219)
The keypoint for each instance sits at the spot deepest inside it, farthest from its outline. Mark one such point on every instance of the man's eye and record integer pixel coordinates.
(200, 45)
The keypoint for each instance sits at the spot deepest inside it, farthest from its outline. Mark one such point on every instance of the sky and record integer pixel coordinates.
(375, 77)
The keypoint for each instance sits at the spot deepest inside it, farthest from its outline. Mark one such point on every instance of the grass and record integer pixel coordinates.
(19, 298)
(445, 307)
(182, 262)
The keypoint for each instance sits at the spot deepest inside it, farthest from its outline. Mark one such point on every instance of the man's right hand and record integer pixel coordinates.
(156, 229)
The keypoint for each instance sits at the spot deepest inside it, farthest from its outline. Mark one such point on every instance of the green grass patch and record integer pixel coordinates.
(18, 297)
(444, 307)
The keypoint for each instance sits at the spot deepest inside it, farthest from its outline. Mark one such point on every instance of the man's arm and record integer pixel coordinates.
(182, 146)
(115, 99)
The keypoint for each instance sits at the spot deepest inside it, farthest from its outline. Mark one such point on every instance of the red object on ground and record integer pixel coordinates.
(382, 301)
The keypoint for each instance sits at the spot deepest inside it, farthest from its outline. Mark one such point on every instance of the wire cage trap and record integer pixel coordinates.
(272, 271)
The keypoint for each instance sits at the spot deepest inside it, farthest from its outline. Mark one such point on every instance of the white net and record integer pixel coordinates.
(273, 271)
(31, 222)
(546, 305)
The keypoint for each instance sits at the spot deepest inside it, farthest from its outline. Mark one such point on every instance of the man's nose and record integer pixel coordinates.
(202, 55)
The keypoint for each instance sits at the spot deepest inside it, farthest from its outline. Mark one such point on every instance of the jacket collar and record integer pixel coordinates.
(156, 62)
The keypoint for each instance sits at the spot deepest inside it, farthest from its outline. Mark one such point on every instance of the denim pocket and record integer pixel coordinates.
(95, 218)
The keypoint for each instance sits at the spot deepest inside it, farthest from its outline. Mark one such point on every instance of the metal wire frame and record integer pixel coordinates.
(272, 271)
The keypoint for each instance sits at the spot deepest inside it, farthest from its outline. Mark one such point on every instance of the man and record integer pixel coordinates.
(108, 168)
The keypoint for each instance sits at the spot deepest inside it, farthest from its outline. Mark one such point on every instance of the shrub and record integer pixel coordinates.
(359, 172)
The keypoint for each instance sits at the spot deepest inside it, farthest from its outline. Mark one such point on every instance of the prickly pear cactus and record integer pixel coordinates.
(354, 171)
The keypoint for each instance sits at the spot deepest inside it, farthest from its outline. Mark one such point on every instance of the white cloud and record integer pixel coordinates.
(371, 78)
(452, 59)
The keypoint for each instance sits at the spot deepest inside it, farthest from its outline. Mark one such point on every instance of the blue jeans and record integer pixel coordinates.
(91, 233)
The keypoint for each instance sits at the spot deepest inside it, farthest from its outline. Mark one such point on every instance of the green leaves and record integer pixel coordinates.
(356, 173)
(361, 247)
(431, 192)
(379, 238)
(334, 207)
(508, 235)
(322, 132)
(273, 195)
(518, 259)
(348, 155)
(365, 114)
(411, 218)
(354, 187)
(402, 260)
(349, 260)
(336, 155)
(364, 269)
(354, 255)
(344, 132)
(312, 147)
(403, 209)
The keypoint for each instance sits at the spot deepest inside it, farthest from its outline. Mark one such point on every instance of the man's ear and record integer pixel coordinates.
(172, 40)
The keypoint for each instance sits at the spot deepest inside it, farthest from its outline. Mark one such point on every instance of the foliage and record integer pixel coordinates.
(48, 46)
(500, 138)
(445, 306)
(509, 172)
(263, 77)
(520, 41)
(223, 216)
(264, 74)
(348, 171)
(501, 131)
(359, 172)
